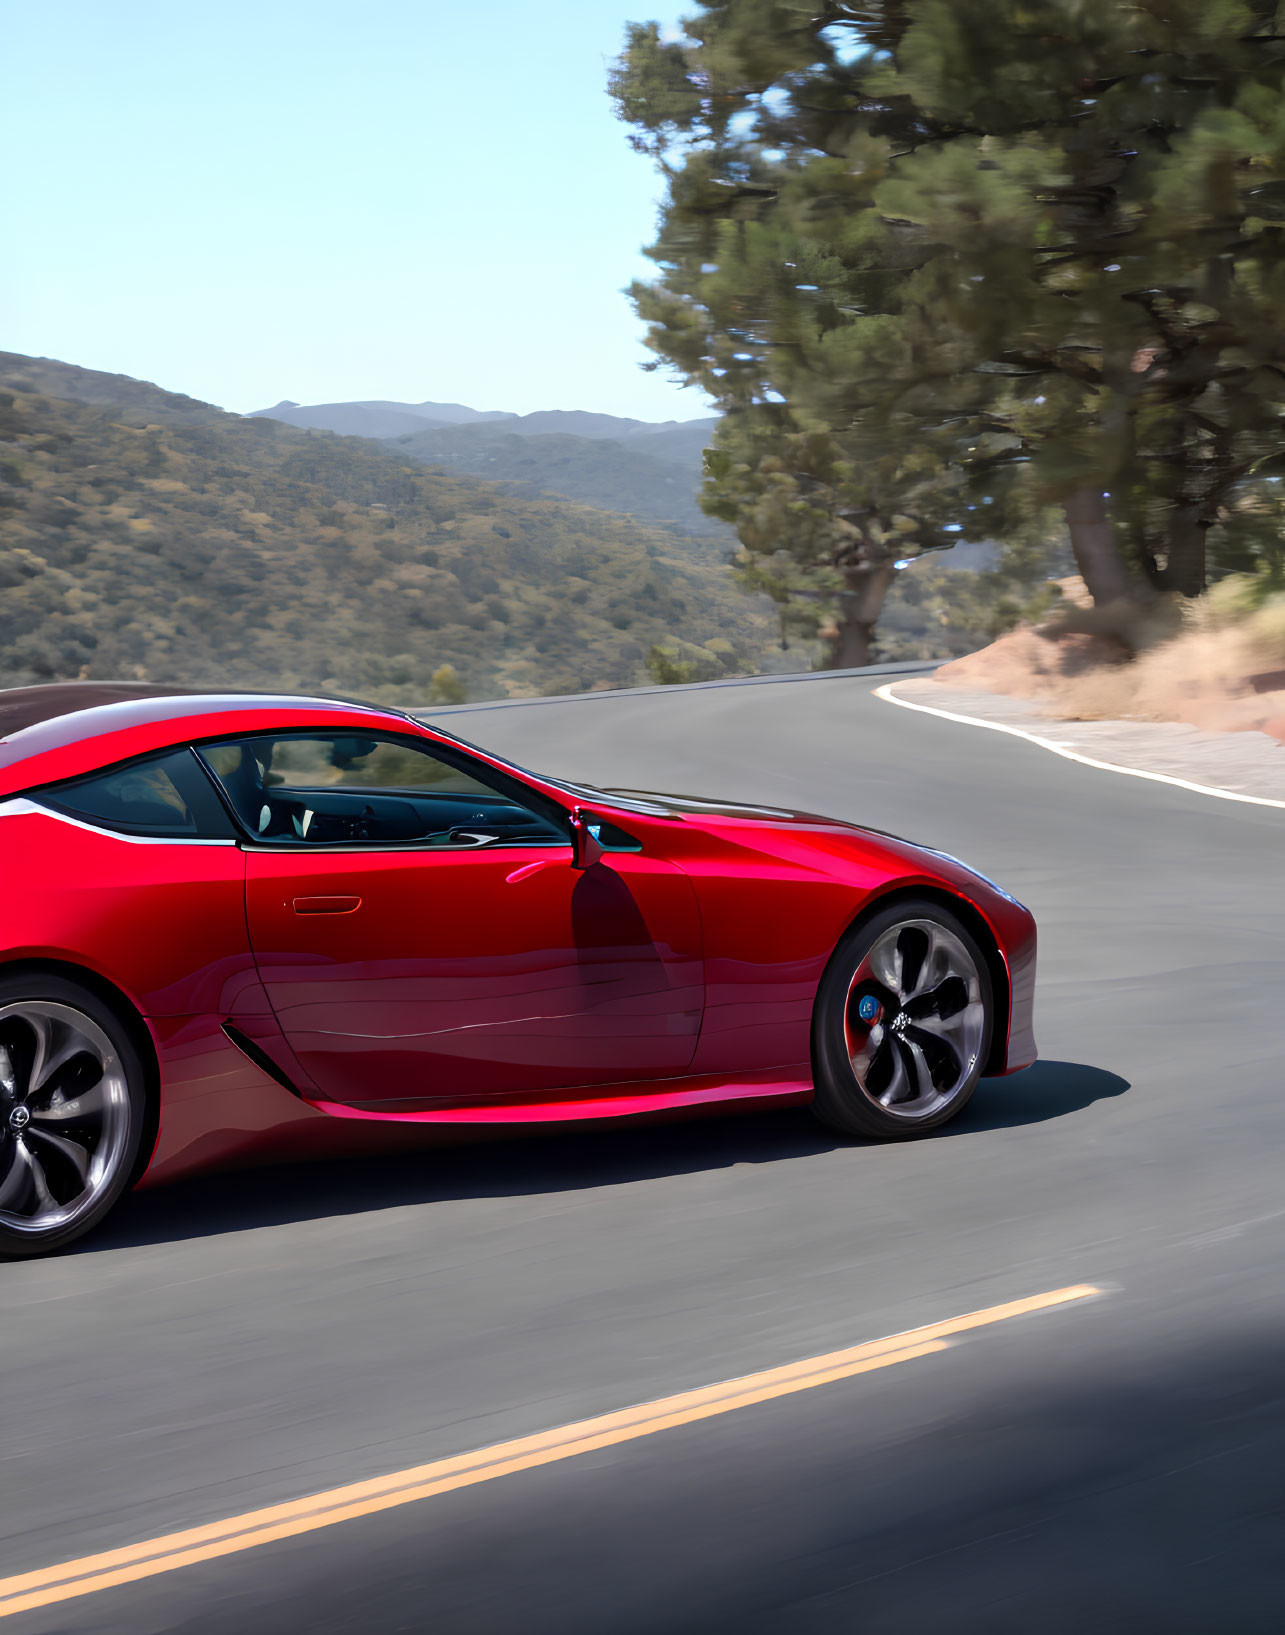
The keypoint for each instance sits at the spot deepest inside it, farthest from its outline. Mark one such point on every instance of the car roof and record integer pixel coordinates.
(23, 707)
(66, 729)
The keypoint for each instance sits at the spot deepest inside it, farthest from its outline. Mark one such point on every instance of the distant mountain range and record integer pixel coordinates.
(646, 468)
(375, 418)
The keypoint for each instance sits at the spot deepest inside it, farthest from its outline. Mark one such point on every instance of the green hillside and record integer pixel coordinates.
(144, 534)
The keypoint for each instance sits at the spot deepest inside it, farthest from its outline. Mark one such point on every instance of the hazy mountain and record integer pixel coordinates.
(374, 418)
(596, 471)
(145, 534)
(646, 468)
(693, 434)
(682, 441)
(342, 417)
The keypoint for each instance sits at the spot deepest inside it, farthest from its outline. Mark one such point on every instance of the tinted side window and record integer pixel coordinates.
(167, 796)
(335, 789)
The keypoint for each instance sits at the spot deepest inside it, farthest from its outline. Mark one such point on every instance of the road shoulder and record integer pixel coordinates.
(1245, 766)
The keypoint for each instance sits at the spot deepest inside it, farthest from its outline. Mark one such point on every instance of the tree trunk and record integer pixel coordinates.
(1093, 543)
(859, 610)
(1184, 570)
(851, 647)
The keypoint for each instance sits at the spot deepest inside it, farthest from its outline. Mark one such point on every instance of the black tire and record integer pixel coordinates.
(931, 1044)
(70, 1140)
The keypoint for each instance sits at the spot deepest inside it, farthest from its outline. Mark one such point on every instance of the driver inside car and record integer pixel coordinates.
(357, 790)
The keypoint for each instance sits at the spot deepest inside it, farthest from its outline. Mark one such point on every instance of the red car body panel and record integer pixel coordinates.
(312, 1002)
(490, 975)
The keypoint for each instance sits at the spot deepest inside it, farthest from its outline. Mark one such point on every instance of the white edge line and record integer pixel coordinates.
(889, 697)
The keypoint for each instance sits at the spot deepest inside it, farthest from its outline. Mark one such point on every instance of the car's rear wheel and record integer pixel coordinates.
(72, 1105)
(903, 1023)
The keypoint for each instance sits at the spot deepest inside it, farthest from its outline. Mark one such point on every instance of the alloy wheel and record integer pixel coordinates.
(914, 1019)
(65, 1116)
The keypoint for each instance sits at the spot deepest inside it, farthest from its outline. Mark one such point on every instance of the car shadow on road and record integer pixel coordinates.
(1046, 1091)
(553, 1159)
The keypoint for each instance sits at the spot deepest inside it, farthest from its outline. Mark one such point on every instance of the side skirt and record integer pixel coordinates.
(781, 1087)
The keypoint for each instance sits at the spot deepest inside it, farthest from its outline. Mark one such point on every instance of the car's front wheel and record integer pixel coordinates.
(72, 1104)
(903, 1023)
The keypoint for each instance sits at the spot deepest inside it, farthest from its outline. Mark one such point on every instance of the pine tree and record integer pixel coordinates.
(944, 262)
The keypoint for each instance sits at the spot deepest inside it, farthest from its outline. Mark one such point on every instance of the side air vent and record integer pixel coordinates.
(259, 1057)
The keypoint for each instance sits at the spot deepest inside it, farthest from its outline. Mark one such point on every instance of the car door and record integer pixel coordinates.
(424, 939)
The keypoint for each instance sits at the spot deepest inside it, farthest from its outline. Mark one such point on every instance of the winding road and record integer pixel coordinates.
(1115, 1461)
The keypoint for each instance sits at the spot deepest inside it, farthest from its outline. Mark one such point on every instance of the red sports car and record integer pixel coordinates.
(240, 926)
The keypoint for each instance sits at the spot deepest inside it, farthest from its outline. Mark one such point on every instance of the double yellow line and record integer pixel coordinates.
(26, 1591)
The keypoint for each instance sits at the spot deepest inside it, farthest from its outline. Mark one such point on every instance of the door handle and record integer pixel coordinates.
(326, 905)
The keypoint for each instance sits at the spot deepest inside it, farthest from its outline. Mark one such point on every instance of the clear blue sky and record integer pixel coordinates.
(323, 201)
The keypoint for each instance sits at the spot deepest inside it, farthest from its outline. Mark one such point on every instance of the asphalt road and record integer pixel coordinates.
(1118, 1463)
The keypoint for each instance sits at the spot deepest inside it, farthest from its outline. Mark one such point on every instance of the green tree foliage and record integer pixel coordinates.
(945, 263)
(143, 535)
(446, 687)
(681, 662)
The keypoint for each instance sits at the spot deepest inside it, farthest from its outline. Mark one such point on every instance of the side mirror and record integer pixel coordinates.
(585, 847)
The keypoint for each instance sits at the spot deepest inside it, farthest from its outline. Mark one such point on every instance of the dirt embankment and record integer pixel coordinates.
(1223, 672)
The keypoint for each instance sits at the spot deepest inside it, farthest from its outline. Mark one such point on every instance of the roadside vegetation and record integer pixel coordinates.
(976, 269)
(1222, 670)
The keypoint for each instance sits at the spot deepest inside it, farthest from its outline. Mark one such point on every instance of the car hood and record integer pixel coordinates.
(831, 840)
(656, 802)
(696, 807)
